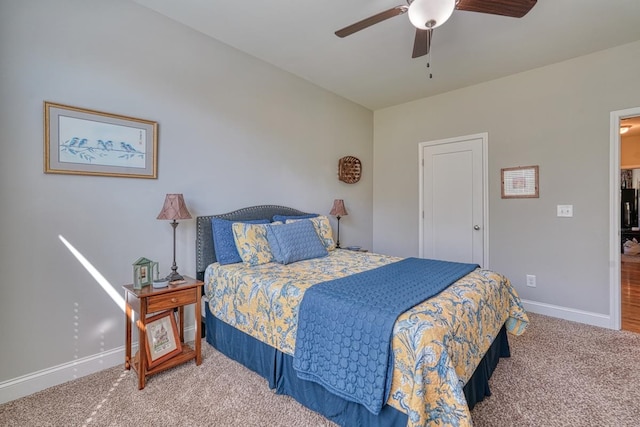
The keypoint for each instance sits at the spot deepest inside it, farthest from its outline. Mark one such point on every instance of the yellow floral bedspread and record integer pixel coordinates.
(436, 344)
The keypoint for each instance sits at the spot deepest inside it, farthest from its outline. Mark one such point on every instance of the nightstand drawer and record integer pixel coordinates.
(171, 300)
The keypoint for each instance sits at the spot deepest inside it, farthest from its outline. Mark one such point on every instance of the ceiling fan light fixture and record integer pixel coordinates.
(429, 14)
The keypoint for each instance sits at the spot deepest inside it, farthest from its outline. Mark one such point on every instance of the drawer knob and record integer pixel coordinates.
(174, 299)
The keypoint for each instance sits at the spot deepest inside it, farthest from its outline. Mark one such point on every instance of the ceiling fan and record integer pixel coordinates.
(426, 15)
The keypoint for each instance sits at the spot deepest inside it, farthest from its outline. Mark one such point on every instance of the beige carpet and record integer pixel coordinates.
(560, 374)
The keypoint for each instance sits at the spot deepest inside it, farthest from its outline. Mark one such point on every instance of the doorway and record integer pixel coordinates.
(625, 220)
(453, 223)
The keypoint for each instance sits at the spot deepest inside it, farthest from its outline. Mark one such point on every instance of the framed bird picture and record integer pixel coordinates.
(78, 141)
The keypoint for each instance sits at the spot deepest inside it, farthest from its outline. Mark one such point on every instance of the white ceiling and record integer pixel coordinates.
(374, 67)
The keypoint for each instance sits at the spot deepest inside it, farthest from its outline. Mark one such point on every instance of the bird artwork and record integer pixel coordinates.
(104, 151)
(78, 148)
(127, 147)
(105, 145)
(129, 151)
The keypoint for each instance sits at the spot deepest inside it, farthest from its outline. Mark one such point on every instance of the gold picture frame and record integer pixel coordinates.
(520, 182)
(163, 341)
(78, 141)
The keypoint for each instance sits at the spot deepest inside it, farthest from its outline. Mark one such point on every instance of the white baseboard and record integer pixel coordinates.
(40, 380)
(589, 318)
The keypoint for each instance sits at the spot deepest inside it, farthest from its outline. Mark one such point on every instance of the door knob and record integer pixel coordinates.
(476, 227)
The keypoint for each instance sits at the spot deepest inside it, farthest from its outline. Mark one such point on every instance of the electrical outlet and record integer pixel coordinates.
(565, 211)
(531, 280)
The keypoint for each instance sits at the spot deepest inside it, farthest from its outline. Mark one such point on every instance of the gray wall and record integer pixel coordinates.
(556, 117)
(233, 132)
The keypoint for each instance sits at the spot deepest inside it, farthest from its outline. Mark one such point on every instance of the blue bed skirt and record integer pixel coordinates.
(277, 368)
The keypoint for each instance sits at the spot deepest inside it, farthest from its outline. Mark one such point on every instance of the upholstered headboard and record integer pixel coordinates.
(205, 252)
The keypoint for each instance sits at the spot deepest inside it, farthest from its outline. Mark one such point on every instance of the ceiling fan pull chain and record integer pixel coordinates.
(429, 63)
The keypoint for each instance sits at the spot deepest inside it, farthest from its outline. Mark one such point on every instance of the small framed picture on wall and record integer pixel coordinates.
(520, 182)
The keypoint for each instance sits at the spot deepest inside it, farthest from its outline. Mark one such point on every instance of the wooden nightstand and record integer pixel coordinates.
(150, 300)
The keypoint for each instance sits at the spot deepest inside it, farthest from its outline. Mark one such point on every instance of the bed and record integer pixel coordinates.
(443, 350)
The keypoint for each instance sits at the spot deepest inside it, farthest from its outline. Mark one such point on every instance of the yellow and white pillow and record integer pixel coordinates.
(251, 242)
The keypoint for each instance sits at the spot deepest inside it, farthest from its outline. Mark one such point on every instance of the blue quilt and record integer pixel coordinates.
(345, 325)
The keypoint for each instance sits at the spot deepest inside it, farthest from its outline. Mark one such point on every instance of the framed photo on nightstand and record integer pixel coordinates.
(163, 341)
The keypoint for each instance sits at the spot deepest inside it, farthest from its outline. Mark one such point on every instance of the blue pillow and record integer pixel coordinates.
(223, 241)
(295, 241)
(284, 218)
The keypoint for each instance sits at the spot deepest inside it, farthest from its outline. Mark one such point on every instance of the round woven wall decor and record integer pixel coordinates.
(349, 169)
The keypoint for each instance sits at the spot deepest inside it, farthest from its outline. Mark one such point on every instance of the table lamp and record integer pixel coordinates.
(338, 210)
(174, 208)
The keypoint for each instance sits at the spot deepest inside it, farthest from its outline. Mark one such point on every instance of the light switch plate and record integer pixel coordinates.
(565, 211)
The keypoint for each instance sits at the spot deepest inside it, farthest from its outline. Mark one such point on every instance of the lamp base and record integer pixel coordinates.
(160, 283)
(174, 276)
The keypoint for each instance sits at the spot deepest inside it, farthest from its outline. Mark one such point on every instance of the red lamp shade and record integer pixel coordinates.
(174, 208)
(338, 208)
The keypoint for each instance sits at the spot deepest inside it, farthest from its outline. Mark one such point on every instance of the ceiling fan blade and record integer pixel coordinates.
(367, 22)
(422, 43)
(512, 8)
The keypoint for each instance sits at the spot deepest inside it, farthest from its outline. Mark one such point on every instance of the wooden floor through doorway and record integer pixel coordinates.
(630, 298)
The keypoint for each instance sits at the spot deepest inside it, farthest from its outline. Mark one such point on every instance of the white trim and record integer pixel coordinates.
(614, 213)
(40, 380)
(484, 136)
(485, 195)
(587, 317)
